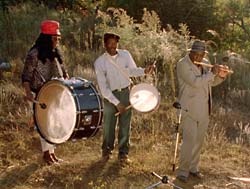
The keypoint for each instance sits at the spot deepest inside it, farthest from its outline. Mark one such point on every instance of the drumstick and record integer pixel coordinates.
(128, 107)
(211, 66)
(154, 63)
(42, 105)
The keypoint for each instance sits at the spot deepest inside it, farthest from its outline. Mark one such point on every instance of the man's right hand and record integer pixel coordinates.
(223, 71)
(121, 108)
(220, 70)
(149, 69)
(29, 96)
(216, 69)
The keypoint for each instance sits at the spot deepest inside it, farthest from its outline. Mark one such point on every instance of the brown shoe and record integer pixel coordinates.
(106, 155)
(58, 160)
(105, 158)
(48, 158)
(197, 175)
(182, 178)
(124, 159)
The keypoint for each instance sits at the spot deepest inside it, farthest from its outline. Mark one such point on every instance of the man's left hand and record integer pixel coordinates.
(222, 71)
(66, 76)
(149, 69)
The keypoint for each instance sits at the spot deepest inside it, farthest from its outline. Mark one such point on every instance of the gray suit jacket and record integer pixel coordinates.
(195, 95)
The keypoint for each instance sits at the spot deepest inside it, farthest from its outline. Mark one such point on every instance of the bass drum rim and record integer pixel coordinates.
(37, 108)
(132, 96)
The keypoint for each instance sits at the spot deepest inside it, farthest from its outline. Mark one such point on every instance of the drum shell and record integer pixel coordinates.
(90, 106)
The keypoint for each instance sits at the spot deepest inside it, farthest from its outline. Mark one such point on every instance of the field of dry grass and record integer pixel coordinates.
(227, 147)
(226, 153)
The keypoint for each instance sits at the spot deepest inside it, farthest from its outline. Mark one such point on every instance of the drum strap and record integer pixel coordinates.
(59, 68)
(119, 68)
(40, 75)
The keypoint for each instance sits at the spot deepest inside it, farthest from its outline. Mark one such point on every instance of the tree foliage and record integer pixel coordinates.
(154, 31)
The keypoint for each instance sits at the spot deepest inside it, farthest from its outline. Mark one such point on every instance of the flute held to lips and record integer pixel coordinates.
(210, 66)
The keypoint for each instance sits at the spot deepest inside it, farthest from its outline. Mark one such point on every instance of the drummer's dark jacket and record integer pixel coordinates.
(37, 73)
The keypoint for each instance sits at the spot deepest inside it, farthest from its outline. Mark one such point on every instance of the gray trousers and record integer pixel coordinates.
(193, 133)
(110, 122)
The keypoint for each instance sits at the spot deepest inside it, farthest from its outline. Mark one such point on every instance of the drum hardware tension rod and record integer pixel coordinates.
(81, 112)
(78, 94)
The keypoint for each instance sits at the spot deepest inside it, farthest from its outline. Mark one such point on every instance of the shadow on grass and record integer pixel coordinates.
(192, 182)
(17, 176)
(113, 174)
(101, 174)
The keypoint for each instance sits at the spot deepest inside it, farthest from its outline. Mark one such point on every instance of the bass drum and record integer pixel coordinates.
(73, 110)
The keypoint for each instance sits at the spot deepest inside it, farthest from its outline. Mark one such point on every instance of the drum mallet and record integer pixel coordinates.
(177, 105)
(42, 105)
(127, 107)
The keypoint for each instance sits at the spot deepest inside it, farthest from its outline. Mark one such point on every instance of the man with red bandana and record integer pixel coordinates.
(41, 64)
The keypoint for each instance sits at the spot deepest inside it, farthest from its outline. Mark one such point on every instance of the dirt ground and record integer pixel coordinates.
(22, 167)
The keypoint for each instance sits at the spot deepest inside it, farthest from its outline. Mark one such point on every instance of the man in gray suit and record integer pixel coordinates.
(195, 83)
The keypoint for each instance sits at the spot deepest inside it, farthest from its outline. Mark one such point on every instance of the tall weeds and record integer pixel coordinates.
(82, 44)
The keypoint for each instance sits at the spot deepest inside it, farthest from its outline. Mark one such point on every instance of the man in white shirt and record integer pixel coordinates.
(113, 70)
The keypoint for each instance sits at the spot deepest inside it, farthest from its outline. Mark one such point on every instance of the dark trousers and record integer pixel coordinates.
(110, 122)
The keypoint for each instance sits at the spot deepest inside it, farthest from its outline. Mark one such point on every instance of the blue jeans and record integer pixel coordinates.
(110, 122)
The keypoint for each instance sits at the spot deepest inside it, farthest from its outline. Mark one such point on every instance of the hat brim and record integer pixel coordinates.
(107, 36)
(58, 33)
(193, 50)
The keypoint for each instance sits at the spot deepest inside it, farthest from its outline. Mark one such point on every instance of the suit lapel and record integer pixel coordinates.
(208, 91)
(207, 88)
(193, 67)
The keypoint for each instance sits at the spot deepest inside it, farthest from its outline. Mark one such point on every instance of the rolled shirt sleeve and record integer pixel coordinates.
(133, 70)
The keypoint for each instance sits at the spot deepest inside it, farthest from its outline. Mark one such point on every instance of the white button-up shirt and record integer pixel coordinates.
(111, 77)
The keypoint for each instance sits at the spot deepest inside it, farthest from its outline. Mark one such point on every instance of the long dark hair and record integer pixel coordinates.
(45, 49)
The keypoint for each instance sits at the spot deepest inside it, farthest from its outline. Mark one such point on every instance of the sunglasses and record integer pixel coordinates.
(56, 38)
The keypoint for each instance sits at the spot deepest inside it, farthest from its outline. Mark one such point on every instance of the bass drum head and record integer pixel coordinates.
(56, 122)
(144, 97)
